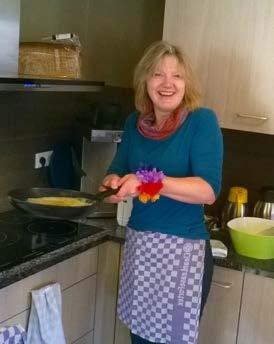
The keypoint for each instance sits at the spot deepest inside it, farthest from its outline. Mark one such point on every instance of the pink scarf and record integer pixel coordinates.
(146, 124)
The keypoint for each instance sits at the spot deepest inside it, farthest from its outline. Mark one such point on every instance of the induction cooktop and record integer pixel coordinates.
(23, 237)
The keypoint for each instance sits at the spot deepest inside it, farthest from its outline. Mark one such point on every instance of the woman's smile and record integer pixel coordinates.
(166, 86)
(166, 93)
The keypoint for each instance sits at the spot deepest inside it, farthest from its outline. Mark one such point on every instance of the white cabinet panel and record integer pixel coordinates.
(231, 46)
(15, 298)
(78, 312)
(256, 319)
(219, 323)
(106, 295)
(79, 308)
(122, 334)
(21, 319)
(87, 339)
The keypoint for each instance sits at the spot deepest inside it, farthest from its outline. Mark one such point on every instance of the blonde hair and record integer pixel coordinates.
(146, 66)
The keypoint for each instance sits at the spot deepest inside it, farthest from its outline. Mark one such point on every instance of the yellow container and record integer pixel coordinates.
(252, 237)
(237, 194)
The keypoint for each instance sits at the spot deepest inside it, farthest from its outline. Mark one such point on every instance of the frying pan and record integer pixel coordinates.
(18, 198)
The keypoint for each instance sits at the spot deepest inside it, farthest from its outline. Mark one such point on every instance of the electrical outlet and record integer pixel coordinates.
(42, 159)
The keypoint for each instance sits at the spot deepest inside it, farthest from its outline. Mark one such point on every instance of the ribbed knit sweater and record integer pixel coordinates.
(194, 149)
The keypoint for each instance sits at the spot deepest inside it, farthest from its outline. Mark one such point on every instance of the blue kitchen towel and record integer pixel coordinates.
(64, 168)
(13, 335)
(45, 323)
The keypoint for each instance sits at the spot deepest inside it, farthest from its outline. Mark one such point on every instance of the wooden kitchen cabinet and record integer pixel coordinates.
(106, 295)
(77, 277)
(122, 334)
(87, 339)
(78, 305)
(231, 46)
(256, 318)
(112, 33)
(108, 328)
(79, 309)
(219, 323)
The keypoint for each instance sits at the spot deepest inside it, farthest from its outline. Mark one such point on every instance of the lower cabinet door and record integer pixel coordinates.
(122, 334)
(79, 309)
(106, 292)
(219, 322)
(256, 320)
(87, 339)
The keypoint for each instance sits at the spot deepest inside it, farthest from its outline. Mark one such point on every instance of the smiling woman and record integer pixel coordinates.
(167, 266)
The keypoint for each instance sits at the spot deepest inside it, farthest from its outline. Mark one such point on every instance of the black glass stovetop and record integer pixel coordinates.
(23, 237)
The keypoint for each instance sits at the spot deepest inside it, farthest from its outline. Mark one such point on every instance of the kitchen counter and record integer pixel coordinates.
(110, 230)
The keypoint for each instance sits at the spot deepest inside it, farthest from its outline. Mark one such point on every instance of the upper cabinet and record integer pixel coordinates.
(9, 28)
(231, 45)
(113, 34)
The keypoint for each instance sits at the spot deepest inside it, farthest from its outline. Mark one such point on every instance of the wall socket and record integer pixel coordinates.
(42, 159)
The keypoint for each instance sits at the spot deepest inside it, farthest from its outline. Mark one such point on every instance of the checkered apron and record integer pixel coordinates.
(13, 335)
(161, 287)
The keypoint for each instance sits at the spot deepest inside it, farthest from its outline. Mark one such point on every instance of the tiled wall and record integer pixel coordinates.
(248, 162)
(34, 122)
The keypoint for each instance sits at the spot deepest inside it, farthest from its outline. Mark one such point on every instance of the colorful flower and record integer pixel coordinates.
(151, 180)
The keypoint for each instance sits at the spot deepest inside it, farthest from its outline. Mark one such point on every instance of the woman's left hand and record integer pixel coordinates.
(128, 186)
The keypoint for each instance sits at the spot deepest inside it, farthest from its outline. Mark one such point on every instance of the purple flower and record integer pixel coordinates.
(149, 175)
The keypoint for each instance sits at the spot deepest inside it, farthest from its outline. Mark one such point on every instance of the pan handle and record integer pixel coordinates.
(108, 192)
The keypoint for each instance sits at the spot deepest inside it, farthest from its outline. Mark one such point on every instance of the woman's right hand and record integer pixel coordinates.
(111, 181)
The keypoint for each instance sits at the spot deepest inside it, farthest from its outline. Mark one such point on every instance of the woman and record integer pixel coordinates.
(170, 161)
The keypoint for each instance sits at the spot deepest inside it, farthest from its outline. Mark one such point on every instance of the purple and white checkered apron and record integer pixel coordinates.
(13, 335)
(161, 287)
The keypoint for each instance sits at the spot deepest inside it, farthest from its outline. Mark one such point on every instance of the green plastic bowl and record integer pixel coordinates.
(252, 237)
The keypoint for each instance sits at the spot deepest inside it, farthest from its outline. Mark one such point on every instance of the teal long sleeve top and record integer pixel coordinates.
(194, 149)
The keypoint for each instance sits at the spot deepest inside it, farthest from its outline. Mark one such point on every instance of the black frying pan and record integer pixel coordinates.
(18, 199)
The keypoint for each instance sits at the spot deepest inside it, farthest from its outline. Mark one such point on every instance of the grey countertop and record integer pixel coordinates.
(110, 230)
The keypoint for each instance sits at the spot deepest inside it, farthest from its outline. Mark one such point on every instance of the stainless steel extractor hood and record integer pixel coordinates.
(9, 52)
(49, 85)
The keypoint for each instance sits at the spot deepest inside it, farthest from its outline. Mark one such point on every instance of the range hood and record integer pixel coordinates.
(49, 85)
(9, 52)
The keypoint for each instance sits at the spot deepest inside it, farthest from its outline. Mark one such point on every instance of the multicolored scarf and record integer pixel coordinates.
(146, 124)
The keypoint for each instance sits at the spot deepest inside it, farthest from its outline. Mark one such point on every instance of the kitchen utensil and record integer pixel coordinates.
(252, 237)
(18, 199)
(265, 206)
(236, 205)
(124, 210)
(218, 248)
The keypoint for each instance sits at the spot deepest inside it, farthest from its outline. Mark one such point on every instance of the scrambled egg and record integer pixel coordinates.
(60, 201)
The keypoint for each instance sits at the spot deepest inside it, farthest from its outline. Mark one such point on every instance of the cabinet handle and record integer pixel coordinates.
(222, 285)
(260, 117)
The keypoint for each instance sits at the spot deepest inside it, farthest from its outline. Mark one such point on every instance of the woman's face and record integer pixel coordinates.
(166, 86)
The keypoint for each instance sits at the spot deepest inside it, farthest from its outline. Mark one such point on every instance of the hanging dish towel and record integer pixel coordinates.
(12, 335)
(45, 323)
